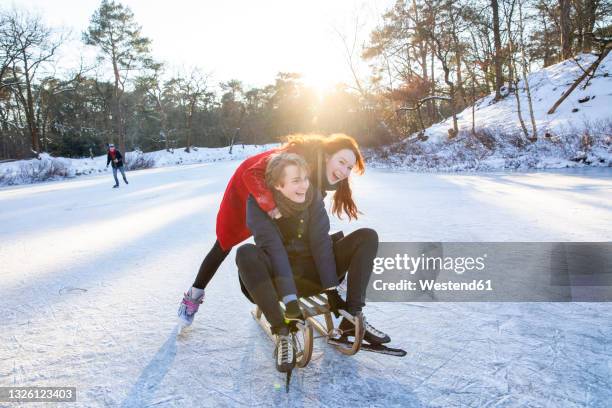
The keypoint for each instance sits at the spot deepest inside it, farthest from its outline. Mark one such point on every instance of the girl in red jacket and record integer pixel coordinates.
(332, 159)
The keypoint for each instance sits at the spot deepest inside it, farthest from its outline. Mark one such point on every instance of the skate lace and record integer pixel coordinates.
(373, 330)
(368, 328)
(286, 349)
(192, 305)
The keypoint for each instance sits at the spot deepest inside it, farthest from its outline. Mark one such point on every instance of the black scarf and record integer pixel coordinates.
(290, 208)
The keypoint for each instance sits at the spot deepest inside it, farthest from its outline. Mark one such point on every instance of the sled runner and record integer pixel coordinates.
(318, 316)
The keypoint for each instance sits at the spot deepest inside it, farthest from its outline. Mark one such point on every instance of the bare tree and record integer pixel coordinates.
(352, 49)
(499, 80)
(35, 46)
(513, 80)
(189, 92)
(156, 92)
(440, 36)
(524, 71)
(9, 47)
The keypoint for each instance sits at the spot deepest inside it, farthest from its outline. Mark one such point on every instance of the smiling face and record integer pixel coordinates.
(294, 183)
(338, 166)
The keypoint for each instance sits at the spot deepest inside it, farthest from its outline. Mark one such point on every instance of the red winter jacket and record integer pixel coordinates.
(249, 178)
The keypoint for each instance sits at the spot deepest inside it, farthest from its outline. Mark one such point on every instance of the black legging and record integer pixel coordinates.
(354, 253)
(210, 264)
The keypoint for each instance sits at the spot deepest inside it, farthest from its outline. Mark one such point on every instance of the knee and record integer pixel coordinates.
(368, 235)
(246, 254)
(249, 256)
(368, 240)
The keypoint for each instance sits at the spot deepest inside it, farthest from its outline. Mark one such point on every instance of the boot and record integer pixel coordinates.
(189, 307)
(371, 335)
(284, 352)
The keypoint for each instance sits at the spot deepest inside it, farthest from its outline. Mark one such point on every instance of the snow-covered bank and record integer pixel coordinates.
(578, 133)
(57, 168)
(491, 151)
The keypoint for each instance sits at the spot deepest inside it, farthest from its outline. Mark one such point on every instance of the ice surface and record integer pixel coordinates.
(91, 278)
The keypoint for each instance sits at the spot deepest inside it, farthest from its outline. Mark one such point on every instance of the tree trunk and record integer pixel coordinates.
(499, 80)
(519, 111)
(162, 120)
(117, 114)
(511, 80)
(565, 29)
(524, 67)
(590, 18)
(452, 92)
(546, 56)
(189, 126)
(29, 108)
(473, 110)
(457, 46)
(433, 114)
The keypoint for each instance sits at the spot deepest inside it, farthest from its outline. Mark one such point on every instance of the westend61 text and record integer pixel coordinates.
(423, 284)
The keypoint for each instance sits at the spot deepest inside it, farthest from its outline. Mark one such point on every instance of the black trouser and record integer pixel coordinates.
(354, 253)
(210, 264)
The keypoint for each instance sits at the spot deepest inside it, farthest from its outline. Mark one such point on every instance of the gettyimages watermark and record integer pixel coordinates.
(492, 272)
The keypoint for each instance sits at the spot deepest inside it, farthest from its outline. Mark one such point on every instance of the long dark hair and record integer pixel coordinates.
(313, 148)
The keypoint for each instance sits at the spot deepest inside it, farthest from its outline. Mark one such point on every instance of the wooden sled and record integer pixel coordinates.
(318, 316)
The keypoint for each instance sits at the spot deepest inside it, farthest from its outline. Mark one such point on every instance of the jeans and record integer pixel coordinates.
(122, 173)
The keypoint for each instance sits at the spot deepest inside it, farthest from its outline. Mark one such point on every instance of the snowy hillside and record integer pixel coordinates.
(500, 143)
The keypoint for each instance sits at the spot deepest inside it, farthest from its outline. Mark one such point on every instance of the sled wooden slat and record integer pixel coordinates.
(312, 307)
(257, 315)
(307, 308)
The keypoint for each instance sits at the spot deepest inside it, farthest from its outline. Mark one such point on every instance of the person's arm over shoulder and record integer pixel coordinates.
(321, 246)
(254, 179)
(267, 237)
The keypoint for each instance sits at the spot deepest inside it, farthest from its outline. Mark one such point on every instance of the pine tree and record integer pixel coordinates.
(113, 30)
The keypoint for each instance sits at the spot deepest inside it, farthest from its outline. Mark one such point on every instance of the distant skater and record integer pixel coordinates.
(114, 157)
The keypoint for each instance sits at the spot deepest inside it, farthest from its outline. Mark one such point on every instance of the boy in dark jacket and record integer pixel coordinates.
(114, 157)
(294, 255)
(303, 229)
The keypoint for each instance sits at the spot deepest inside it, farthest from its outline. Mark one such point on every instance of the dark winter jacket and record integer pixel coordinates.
(118, 156)
(286, 240)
